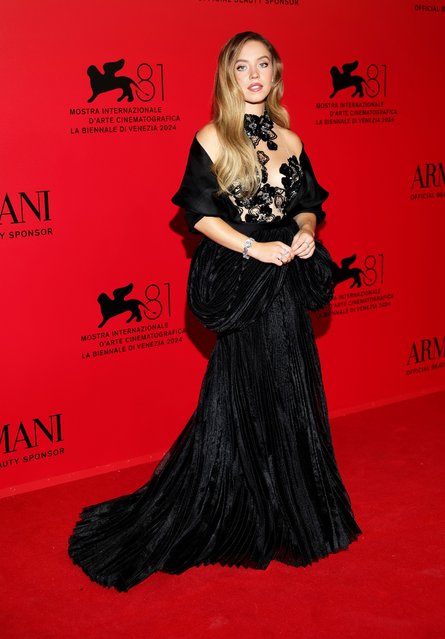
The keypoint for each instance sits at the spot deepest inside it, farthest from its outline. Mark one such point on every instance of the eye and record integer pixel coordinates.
(264, 65)
(241, 67)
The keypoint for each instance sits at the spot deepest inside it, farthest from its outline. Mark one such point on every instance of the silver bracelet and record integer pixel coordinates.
(246, 246)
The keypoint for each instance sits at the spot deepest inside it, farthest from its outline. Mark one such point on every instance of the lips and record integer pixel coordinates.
(255, 86)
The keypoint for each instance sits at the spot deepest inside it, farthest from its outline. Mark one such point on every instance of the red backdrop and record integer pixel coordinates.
(85, 209)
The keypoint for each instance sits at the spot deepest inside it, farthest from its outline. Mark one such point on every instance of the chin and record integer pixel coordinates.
(256, 98)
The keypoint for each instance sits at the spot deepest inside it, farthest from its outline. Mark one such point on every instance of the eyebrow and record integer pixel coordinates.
(260, 58)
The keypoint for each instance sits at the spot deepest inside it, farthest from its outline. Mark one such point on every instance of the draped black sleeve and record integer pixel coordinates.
(311, 197)
(197, 192)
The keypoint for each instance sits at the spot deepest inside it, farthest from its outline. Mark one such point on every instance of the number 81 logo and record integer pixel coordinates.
(150, 82)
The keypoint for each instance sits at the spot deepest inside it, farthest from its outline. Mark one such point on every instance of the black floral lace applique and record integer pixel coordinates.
(258, 208)
(293, 176)
(260, 127)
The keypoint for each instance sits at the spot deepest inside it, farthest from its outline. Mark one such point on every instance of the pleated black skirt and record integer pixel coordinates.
(253, 476)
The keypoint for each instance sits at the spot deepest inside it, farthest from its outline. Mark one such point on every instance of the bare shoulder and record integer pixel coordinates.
(208, 139)
(293, 141)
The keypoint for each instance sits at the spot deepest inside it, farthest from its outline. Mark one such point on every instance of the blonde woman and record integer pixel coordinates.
(253, 476)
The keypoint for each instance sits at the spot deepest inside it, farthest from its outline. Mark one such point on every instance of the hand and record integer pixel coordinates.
(276, 252)
(303, 244)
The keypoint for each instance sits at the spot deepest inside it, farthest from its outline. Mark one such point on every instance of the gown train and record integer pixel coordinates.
(253, 476)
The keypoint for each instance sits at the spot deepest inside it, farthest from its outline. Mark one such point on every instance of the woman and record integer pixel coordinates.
(252, 477)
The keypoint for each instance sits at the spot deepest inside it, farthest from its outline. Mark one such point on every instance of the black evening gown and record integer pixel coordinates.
(253, 476)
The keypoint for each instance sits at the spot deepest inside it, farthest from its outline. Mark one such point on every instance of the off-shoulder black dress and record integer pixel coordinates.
(253, 476)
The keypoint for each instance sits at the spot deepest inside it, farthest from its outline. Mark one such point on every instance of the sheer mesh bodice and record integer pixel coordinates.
(280, 180)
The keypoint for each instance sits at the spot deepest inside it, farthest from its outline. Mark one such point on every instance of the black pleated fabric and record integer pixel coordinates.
(227, 292)
(253, 476)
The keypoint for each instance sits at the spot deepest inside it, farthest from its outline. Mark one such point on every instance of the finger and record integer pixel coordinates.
(284, 253)
(302, 250)
(302, 244)
(307, 254)
(305, 246)
(305, 257)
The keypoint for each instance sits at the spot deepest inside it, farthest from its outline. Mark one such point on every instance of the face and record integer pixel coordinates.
(254, 72)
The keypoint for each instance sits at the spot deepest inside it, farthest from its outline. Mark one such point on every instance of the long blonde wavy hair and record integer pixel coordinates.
(237, 161)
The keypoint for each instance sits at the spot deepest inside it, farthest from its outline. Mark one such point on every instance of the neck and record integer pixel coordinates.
(259, 126)
(254, 109)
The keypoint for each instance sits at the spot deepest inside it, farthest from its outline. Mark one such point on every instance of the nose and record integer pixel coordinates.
(254, 72)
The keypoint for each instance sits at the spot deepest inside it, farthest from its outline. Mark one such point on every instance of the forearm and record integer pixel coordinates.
(306, 221)
(219, 231)
(274, 252)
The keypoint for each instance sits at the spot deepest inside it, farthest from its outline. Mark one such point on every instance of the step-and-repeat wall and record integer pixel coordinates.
(101, 362)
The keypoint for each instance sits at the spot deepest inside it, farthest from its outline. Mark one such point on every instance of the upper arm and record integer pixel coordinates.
(199, 185)
(208, 139)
